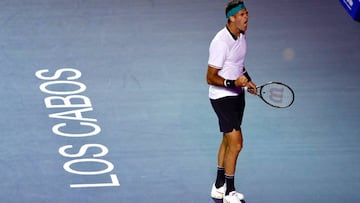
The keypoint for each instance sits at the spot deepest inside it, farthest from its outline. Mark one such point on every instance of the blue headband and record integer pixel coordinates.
(234, 10)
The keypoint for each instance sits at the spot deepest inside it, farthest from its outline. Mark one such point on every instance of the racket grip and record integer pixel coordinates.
(247, 88)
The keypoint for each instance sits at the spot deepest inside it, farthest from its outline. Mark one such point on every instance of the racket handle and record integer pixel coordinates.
(247, 88)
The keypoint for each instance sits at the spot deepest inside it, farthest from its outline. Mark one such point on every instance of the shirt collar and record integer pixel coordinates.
(232, 35)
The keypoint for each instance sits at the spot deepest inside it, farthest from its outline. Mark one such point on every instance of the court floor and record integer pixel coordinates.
(106, 101)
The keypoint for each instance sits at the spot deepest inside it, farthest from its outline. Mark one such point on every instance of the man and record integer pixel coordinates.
(227, 79)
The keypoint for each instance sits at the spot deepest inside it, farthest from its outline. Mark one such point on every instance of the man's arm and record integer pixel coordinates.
(213, 78)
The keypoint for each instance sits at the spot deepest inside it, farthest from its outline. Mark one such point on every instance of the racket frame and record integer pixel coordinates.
(259, 88)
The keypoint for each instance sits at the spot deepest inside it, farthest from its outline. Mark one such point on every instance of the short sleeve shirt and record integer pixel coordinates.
(227, 53)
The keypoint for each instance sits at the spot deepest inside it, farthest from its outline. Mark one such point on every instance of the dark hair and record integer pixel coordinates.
(232, 4)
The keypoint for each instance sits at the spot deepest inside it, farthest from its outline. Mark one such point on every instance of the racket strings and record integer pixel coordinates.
(277, 95)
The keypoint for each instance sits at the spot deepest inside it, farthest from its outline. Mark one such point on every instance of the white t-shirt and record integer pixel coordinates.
(228, 55)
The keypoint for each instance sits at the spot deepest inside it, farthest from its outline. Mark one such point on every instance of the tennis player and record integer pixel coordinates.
(227, 77)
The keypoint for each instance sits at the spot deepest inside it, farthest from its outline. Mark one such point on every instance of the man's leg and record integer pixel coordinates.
(222, 151)
(219, 187)
(234, 141)
(220, 178)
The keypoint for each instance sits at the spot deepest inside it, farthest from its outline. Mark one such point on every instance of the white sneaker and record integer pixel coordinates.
(233, 197)
(240, 196)
(218, 193)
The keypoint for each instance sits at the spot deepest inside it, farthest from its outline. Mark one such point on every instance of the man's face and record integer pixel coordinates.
(240, 19)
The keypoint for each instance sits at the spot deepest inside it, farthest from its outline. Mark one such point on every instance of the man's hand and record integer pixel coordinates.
(251, 88)
(241, 81)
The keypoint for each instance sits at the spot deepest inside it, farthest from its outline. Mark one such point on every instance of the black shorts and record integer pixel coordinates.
(229, 111)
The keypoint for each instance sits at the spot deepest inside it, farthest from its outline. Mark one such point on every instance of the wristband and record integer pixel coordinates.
(229, 83)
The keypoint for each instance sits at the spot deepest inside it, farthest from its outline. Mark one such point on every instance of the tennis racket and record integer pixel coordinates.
(276, 94)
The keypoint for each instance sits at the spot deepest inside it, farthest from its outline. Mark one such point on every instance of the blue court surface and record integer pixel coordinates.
(106, 101)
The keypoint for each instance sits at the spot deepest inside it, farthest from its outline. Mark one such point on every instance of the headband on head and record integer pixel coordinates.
(234, 10)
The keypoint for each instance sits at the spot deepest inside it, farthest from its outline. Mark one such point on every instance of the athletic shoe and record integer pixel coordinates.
(218, 193)
(233, 197)
(240, 196)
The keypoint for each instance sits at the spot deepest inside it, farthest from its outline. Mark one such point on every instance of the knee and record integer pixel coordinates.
(236, 148)
(235, 141)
